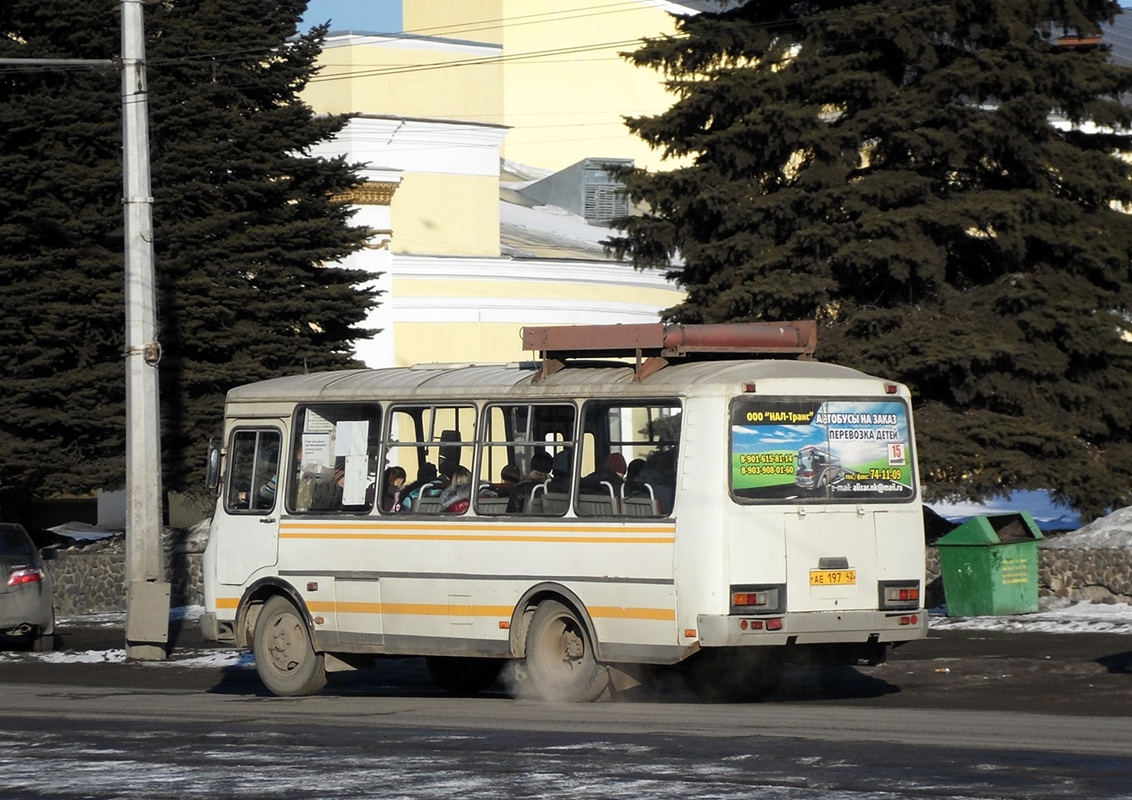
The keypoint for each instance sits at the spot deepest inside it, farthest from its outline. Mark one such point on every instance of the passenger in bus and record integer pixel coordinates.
(457, 497)
(658, 472)
(426, 476)
(327, 484)
(560, 472)
(541, 463)
(315, 485)
(371, 475)
(615, 463)
(634, 469)
(444, 475)
(509, 477)
(393, 480)
(612, 471)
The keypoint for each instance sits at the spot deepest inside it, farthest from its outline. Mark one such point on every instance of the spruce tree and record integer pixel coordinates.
(245, 226)
(939, 183)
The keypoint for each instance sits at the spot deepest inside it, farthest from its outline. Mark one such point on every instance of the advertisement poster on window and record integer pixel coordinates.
(840, 450)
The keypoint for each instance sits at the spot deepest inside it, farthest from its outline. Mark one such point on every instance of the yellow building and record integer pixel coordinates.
(463, 260)
(550, 70)
(565, 86)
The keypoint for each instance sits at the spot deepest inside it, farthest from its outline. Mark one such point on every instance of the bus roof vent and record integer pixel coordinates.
(655, 345)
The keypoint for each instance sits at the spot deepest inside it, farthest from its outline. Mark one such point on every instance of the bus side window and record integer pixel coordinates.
(432, 444)
(253, 471)
(629, 454)
(333, 465)
(517, 449)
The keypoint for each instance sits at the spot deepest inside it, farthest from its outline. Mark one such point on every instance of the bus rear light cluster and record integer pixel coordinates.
(910, 619)
(760, 624)
(750, 599)
(899, 595)
(758, 599)
(23, 575)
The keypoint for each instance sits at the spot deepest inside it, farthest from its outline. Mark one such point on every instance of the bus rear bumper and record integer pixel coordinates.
(814, 627)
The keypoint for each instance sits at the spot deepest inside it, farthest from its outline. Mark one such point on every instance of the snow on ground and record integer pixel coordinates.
(1113, 532)
(223, 658)
(1054, 615)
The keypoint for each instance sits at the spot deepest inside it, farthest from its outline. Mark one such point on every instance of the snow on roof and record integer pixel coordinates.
(548, 232)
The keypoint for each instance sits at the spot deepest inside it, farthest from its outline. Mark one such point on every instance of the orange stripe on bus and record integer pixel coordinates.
(613, 612)
(456, 532)
(455, 526)
(425, 537)
(493, 612)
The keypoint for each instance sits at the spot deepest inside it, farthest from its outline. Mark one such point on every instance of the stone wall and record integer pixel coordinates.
(1099, 576)
(90, 577)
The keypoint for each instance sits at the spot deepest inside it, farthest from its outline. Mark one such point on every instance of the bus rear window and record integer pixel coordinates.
(807, 450)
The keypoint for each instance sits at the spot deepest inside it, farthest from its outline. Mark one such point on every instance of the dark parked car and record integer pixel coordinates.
(27, 612)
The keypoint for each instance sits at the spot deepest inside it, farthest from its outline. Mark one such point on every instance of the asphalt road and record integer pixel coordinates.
(960, 715)
(1079, 673)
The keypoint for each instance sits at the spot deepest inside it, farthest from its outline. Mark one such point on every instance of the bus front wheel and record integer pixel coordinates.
(284, 655)
(560, 664)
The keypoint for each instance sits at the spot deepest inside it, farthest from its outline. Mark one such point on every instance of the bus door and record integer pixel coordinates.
(831, 558)
(248, 532)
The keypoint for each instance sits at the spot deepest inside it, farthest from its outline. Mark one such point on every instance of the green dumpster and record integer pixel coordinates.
(990, 566)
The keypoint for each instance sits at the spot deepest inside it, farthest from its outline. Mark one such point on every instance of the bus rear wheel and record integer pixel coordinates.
(463, 676)
(734, 675)
(560, 661)
(284, 654)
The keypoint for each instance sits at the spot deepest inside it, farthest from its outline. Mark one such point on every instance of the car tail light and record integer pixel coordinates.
(24, 575)
(899, 595)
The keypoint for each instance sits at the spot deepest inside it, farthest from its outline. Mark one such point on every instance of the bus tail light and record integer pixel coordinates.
(774, 624)
(758, 599)
(899, 595)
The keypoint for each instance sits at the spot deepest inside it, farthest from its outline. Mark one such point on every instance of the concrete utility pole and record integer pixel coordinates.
(147, 594)
(147, 597)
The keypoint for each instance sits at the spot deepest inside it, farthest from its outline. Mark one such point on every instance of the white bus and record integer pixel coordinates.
(661, 521)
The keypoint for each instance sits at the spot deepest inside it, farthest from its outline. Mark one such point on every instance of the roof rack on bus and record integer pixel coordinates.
(654, 345)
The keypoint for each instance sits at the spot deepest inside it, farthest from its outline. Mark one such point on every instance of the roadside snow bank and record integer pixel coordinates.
(1113, 532)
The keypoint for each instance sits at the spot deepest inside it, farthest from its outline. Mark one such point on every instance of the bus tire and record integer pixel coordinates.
(284, 655)
(734, 675)
(560, 662)
(463, 676)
